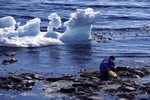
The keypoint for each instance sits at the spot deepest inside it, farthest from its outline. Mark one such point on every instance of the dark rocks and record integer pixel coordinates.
(38, 77)
(10, 54)
(10, 82)
(146, 87)
(145, 70)
(21, 82)
(68, 77)
(127, 89)
(31, 76)
(84, 85)
(140, 73)
(65, 77)
(145, 99)
(132, 72)
(6, 86)
(9, 61)
(148, 90)
(111, 88)
(122, 69)
(68, 90)
(90, 98)
(128, 96)
(95, 98)
(122, 99)
(27, 77)
(87, 85)
(3, 78)
(15, 78)
(54, 79)
(11, 72)
(28, 82)
(90, 74)
(81, 80)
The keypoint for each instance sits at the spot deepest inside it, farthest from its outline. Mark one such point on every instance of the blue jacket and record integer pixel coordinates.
(106, 65)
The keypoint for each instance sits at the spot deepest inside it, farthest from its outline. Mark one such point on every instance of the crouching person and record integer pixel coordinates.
(107, 67)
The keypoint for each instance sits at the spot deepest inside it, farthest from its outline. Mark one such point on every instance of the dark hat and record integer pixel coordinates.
(112, 57)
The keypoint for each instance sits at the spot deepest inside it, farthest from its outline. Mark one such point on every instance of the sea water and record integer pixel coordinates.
(57, 37)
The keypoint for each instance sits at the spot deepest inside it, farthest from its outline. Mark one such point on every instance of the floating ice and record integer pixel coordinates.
(7, 22)
(55, 22)
(79, 26)
(31, 28)
(29, 35)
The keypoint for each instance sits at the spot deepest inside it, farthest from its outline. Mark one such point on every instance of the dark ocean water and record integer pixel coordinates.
(118, 16)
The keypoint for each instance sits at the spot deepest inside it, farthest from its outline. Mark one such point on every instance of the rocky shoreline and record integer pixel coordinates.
(86, 85)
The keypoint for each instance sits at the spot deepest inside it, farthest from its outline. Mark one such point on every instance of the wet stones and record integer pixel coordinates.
(90, 74)
(145, 70)
(80, 89)
(140, 73)
(38, 77)
(95, 98)
(54, 79)
(146, 87)
(122, 69)
(15, 79)
(3, 78)
(111, 88)
(65, 77)
(11, 72)
(68, 77)
(127, 89)
(10, 83)
(9, 61)
(145, 99)
(81, 80)
(28, 82)
(123, 72)
(90, 98)
(132, 72)
(89, 84)
(128, 96)
(10, 54)
(31, 76)
(6, 86)
(122, 99)
(21, 82)
(68, 90)
(84, 85)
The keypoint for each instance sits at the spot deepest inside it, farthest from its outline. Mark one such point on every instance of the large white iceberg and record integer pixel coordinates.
(78, 30)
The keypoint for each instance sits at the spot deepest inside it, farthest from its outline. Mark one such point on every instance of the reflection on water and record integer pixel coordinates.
(79, 54)
(125, 17)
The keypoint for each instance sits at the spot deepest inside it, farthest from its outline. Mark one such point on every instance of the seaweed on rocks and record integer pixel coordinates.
(21, 82)
(87, 85)
(10, 54)
(9, 61)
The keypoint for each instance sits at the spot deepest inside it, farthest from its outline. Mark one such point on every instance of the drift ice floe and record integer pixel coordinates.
(78, 30)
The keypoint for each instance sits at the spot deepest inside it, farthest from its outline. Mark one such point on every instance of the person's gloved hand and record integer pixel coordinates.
(111, 73)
